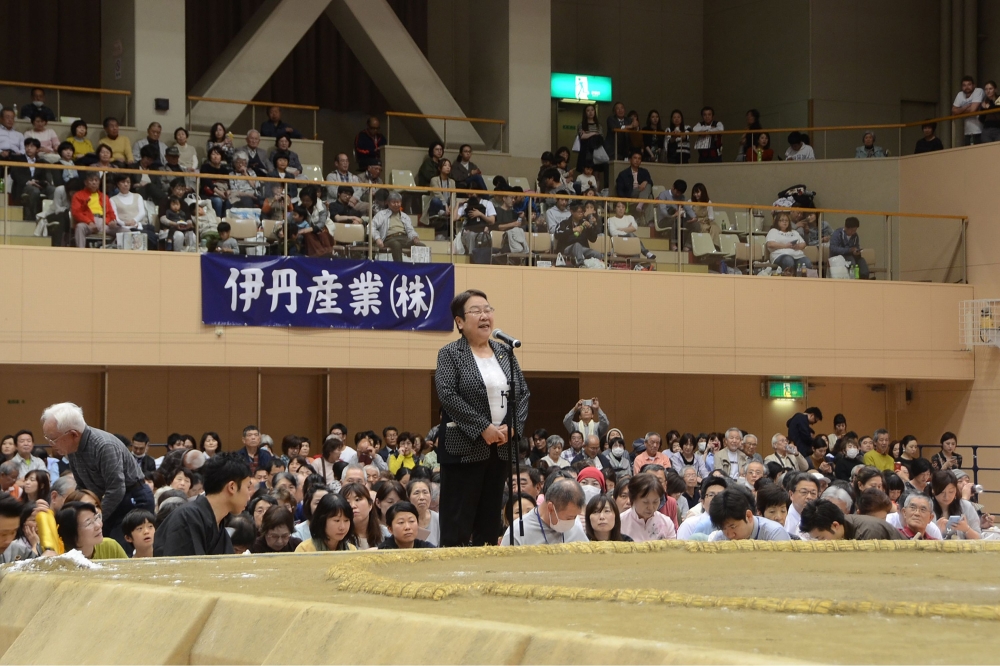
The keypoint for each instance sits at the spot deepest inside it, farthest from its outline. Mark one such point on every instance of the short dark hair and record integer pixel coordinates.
(77, 123)
(872, 500)
(66, 522)
(713, 481)
(65, 145)
(330, 444)
(458, 305)
(277, 516)
(399, 507)
(840, 418)
(223, 468)
(32, 141)
(730, 504)
(772, 495)
(149, 151)
(339, 426)
(815, 411)
(243, 529)
(331, 506)
(680, 185)
(794, 479)
(121, 177)
(932, 125)
(707, 108)
(918, 466)
(140, 437)
(215, 149)
(24, 432)
(108, 121)
(224, 227)
(135, 518)
(250, 428)
(969, 79)
(643, 484)
(820, 514)
(10, 507)
(850, 223)
(635, 151)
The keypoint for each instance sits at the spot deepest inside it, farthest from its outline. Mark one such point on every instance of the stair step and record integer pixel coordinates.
(17, 228)
(36, 241)
(11, 213)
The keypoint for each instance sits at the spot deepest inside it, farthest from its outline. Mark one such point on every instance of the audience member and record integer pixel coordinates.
(30, 184)
(283, 145)
(78, 137)
(466, 173)
(969, 100)
(879, 457)
(588, 132)
(678, 143)
(152, 138)
(868, 147)
(573, 237)
(616, 143)
(634, 182)
(798, 148)
(732, 513)
(90, 209)
(643, 521)
(11, 141)
(257, 161)
(392, 229)
(342, 174)
(761, 151)
(275, 127)
(368, 144)
(36, 107)
(929, 142)
(554, 520)
(825, 521)
(48, 141)
(219, 138)
(802, 488)
(80, 527)
(187, 154)
(946, 459)
(709, 147)
(120, 145)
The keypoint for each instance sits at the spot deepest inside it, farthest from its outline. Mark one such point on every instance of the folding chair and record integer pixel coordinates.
(630, 249)
(349, 239)
(540, 245)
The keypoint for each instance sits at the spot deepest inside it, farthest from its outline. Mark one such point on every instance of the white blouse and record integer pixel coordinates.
(496, 387)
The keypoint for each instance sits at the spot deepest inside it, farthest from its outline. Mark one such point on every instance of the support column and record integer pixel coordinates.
(252, 57)
(530, 73)
(142, 50)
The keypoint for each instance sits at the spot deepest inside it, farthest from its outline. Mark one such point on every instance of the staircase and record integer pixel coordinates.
(15, 231)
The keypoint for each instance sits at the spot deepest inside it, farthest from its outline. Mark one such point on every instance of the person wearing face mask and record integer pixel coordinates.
(847, 459)
(591, 482)
(554, 520)
(617, 457)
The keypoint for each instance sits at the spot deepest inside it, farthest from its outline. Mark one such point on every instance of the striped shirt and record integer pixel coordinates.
(104, 465)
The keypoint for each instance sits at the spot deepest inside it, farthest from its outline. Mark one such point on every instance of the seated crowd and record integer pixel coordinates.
(382, 490)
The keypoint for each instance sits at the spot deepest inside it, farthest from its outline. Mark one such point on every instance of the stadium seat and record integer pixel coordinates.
(312, 172)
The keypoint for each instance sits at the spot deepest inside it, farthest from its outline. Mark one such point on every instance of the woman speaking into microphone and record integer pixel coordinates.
(472, 381)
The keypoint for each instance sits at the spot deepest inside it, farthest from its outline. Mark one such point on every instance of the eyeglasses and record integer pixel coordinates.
(98, 519)
(53, 441)
(476, 312)
(918, 509)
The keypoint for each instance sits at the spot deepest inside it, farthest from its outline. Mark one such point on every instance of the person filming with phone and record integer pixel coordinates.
(581, 419)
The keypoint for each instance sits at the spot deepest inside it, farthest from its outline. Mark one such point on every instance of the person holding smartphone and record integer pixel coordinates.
(581, 419)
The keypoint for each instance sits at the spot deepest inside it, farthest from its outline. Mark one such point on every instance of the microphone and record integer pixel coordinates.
(506, 339)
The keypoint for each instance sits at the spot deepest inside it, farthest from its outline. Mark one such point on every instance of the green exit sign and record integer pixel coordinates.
(581, 87)
(786, 390)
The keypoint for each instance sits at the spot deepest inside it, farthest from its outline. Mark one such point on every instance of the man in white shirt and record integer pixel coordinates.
(553, 216)
(967, 101)
(554, 520)
(392, 228)
(798, 149)
(802, 489)
(709, 147)
(11, 141)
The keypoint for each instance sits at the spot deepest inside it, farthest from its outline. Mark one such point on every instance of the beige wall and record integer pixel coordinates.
(71, 306)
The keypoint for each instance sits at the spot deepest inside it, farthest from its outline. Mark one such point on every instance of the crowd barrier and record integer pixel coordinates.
(253, 105)
(442, 128)
(59, 90)
(743, 229)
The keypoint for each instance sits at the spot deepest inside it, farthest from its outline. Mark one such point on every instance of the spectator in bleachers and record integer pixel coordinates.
(798, 149)
(318, 235)
(215, 189)
(809, 226)
(275, 206)
(11, 141)
(78, 137)
(686, 213)
(652, 144)
(188, 154)
(282, 170)
(589, 133)
(429, 167)
(283, 144)
(554, 216)
(786, 455)
(587, 181)
(177, 221)
(392, 229)
(749, 140)
(226, 245)
(946, 459)
(761, 151)
(510, 221)
(991, 121)
(868, 147)
(29, 184)
(36, 107)
(929, 142)
(946, 502)
(342, 174)
(368, 143)
(90, 210)
(679, 146)
(731, 460)
(709, 147)
(573, 237)
(152, 138)
(47, 139)
(616, 143)
(274, 126)
(121, 146)
(104, 155)
(173, 162)
(243, 193)
(466, 173)
(969, 100)
(219, 138)
(130, 209)
(372, 176)
(732, 513)
(643, 521)
(438, 206)
(143, 184)
(624, 225)
(785, 245)
(341, 209)
(916, 516)
(257, 161)
(846, 243)
(704, 217)
(634, 182)
(479, 217)
(802, 488)
(825, 521)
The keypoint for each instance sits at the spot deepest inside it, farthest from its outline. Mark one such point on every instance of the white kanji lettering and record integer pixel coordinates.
(365, 293)
(283, 281)
(325, 291)
(411, 296)
(253, 282)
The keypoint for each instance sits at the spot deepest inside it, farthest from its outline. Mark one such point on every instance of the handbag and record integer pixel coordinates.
(600, 156)
(482, 248)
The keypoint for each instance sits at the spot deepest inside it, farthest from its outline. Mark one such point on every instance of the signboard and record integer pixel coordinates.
(581, 87)
(787, 389)
(324, 293)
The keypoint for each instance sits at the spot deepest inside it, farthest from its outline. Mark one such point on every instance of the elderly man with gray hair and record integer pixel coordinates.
(243, 193)
(100, 462)
(731, 460)
(257, 161)
(552, 521)
(392, 229)
(63, 486)
(786, 455)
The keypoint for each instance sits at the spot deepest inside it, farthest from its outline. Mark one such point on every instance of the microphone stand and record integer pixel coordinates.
(512, 440)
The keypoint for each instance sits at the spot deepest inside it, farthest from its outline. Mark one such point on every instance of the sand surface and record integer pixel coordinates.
(972, 578)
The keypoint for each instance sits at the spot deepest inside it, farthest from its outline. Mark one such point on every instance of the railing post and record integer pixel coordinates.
(501, 140)
(284, 216)
(825, 142)
(253, 117)
(751, 223)
(315, 132)
(451, 228)
(128, 102)
(445, 142)
(678, 234)
(6, 212)
(888, 248)
(189, 116)
(104, 210)
(58, 104)
(606, 232)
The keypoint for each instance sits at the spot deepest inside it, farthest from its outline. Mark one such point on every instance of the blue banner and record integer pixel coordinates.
(324, 293)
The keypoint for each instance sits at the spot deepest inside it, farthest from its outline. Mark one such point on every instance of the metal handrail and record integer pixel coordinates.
(389, 115)
(253, 108)
(976, 467)
(83, 89)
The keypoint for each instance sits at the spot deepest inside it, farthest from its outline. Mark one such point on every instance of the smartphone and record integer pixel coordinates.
(952, 521)
(898, 466)
(588, 403)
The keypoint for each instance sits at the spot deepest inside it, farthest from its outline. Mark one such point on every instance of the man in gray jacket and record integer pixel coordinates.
(845, 243)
